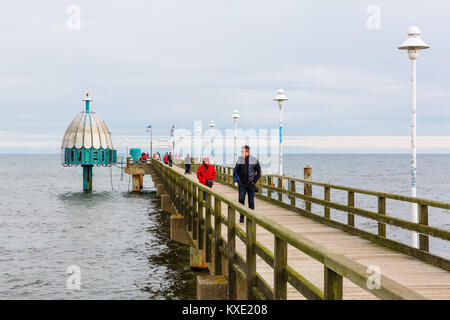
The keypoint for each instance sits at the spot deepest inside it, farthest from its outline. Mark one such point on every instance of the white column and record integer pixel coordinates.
(235, 138)
(281, 143)
(212, 144)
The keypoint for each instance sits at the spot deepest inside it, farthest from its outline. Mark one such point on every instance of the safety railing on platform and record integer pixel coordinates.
(187, 195)
(137, 160)
(282, 190)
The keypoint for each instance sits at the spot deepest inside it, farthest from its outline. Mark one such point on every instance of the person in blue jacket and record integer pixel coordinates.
(247, 173)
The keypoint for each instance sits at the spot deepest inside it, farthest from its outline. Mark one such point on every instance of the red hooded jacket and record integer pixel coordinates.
(204, 174)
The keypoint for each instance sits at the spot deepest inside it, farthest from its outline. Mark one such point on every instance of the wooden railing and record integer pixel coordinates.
(272, 187)
(187, 196)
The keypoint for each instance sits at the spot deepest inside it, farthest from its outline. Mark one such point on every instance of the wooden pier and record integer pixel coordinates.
(287, 249)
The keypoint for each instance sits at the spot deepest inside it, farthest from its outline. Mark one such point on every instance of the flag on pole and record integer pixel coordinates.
(171, 130)
(149, 128)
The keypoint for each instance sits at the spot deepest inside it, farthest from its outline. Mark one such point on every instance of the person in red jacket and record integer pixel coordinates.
(166, 159)
(206, 175)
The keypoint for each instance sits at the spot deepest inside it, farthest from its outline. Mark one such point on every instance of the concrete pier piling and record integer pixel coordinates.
(196, 258)
(178, 229)
(136, 182)
(141, 181)
(212, 287)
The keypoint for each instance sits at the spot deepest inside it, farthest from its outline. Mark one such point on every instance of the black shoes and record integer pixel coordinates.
(241, 219)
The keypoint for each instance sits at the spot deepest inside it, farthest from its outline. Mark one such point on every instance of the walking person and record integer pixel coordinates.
(206, 175)
(170, 159)
(166, 159)
(187, 164)
(246, 173)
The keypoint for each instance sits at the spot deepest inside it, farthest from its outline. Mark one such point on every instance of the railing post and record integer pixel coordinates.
(200, 219)
(332, 285)
(217, 236)
(423, 219)
(190, 205)
(269, 182)
(231, 253)
(208, 228)
(280, 269)
(351, 203)
(184, 202)
(292, 187)
(280, 186)
(307, 188)
(382, 211)
(251, 257)
(176, 193)
(326, 197)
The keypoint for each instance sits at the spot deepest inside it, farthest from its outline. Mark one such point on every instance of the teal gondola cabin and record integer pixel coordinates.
(87, 142)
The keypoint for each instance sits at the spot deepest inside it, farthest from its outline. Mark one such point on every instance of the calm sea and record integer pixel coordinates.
(119, 240)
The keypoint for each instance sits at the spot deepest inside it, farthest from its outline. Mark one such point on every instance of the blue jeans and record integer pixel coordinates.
(250, 190)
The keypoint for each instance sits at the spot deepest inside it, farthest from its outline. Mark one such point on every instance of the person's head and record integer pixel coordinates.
(245, 151)
(206, 160)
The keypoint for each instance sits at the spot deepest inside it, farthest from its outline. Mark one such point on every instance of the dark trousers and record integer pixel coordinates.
(248, 189)
(170, 163)
(187, 168)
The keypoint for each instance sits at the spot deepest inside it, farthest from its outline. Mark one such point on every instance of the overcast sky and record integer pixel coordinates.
(173, 62)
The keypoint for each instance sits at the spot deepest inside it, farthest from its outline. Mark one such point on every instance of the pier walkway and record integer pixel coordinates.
(286, 251)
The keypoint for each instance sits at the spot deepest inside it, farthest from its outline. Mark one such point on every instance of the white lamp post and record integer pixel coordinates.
(212, 125)
(235, 118)
(413, 44)
(281, 98)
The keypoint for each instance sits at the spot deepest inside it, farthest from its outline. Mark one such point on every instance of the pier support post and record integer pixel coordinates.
(136, 182)
(141, 181)
(211, 287)
(159, 189)
(87, 178)
(166, 205)
(307, 188)
(178, 230)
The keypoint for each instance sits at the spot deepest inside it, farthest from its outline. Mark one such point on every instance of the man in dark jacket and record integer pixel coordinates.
(247, 173)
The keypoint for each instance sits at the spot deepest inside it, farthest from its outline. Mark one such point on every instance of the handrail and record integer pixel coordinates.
(185, 193)
(393, 196)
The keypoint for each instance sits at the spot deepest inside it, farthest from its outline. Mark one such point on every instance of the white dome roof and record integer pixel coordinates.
(87, 130)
